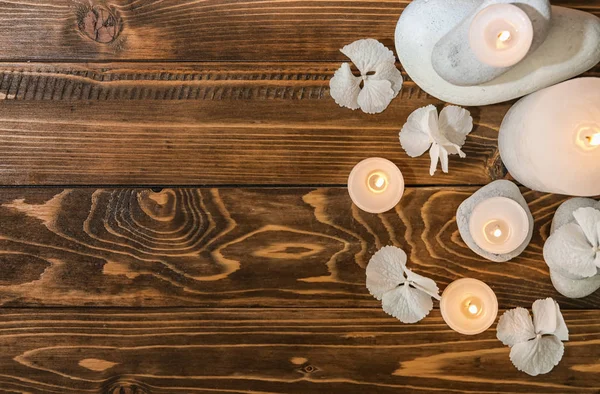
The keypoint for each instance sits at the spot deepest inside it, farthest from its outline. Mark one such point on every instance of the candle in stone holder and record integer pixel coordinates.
(499, 225)
(375, 185)
(469, 306)
(550, 140)
(500, 35)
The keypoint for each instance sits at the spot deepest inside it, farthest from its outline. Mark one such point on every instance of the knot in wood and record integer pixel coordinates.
(309, 369)
(126, 388)
(99, 23)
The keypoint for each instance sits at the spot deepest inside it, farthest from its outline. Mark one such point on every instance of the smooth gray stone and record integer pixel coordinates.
(454, 60)
(563, 282)
(564, 213)
(574, 288)
(500, 188)
(571, 48)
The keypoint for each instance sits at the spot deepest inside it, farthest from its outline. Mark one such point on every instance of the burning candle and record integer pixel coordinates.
(500, 35)
(593, 140)
(375, 185)
(469, 306)
(499, 225)
(588, 136)
(550, 140)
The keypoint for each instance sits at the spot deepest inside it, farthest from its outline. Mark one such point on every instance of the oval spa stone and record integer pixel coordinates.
(571, 48)
(564, 283)
(454, 60)
(545, 139)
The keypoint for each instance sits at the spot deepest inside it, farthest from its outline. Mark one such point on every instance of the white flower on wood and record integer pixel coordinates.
(443, 135)
(403, 293)
(574, 249)
(379, 76)
(535, 345)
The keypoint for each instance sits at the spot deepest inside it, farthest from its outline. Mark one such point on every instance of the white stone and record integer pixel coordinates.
(453, 59)
(574, 288)
(563, 283)
(541, 139)
(500, 188)
(571, 48)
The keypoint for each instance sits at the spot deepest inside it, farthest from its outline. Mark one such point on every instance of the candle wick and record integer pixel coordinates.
(594, 139)
(497, 232)
(504, 36)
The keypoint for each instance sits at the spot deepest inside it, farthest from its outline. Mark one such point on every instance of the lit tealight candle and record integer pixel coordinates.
(469, 306)
(588, 136)
(550, 140)
(500, 35)
(375, 185)
(499, 225)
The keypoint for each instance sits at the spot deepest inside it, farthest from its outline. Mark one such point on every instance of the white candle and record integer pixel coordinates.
(499, 225)
(550, 140)
(469, 306)
(500, 35)
(375, 185)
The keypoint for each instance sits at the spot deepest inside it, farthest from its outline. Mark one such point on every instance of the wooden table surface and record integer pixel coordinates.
(175, 218)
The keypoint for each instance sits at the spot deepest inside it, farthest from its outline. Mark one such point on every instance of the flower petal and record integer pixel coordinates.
(367, 54)
(455, 123)
(561, 332)
(544, 316)
(407, 304)
(415, 137)
(454, 149)
(388, 72)
(345, 87)
(375, 96)
(569, 252)
(515, 326)
(423, 283)
(386, 271)
(537, 356)
(589, 220)
(434, 154)
(444, 159)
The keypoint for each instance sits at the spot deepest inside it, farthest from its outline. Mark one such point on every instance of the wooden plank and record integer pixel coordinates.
(212, 30)
(179, 81)
(174, 81)
(242, 247)
(273, 351)
(214, 142)
(171, 81)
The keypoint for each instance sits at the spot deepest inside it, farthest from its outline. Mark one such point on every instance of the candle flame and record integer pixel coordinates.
(473, 309)
(594, 140)
(497, 233)
(504, 36)
(377, 182)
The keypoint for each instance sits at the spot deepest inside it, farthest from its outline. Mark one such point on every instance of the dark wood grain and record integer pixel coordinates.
(179, 81)
(171, 81)
(241, 247)
(273, 351)
(233, 93)
(216, 142)
(212, 30)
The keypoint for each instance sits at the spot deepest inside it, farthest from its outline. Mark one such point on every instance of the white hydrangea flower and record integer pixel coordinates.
(404, 294)
(574, 249)
(442, 135)
(535, 346)
(381, 79)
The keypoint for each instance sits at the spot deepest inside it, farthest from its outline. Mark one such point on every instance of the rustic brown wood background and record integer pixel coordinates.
(175, 219)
